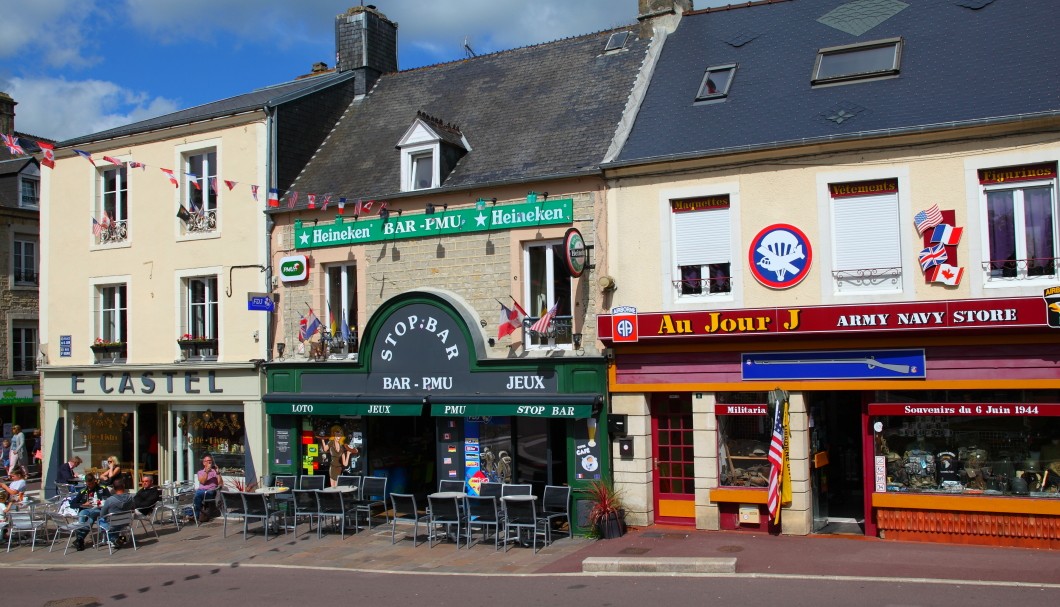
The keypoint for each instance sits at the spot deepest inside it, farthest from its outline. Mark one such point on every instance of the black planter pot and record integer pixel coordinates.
(611, 526)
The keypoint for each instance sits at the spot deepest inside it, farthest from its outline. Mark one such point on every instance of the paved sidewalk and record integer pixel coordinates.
(755, 554)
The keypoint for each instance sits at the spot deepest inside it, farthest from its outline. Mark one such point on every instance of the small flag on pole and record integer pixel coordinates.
(541, 325)
(85, 155)
(12, 145)
(274, 197)
(97, 227)
(312, 201)
(776, 461)
(49, 154)
(509, 322)
(327, 201)
(342, 206)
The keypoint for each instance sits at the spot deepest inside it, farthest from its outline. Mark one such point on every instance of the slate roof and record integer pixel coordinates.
(963, 61)
(254, 100)
(530, 113)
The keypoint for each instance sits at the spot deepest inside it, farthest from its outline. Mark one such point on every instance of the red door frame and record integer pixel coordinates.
(666, 451)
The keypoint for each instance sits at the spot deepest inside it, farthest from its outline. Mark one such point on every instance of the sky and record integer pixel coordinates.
(80, 66)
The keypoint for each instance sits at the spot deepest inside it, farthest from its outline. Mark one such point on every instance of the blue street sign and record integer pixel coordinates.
(261, 302)
(65, 345)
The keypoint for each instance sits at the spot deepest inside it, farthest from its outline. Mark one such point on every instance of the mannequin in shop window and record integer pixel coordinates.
(338, 453)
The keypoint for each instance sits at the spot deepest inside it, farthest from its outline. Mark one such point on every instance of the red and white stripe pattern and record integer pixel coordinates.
(776, 461)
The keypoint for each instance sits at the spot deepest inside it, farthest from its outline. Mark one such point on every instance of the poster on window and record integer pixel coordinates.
(586, 449)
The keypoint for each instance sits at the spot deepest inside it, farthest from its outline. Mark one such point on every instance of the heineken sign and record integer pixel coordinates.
(347, 231)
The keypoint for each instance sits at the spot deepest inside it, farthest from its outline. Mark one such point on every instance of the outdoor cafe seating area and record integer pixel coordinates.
(504, 515)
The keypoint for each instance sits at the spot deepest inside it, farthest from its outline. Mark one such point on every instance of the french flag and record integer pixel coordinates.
(933, 256)
(946, 234)
(274, 197)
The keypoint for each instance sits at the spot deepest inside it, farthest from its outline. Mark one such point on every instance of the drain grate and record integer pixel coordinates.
(730, 548)
(634, 550)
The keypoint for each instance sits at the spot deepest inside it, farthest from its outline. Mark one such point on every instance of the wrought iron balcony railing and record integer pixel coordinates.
(115, 231)
(1020, 269)
(867, 277)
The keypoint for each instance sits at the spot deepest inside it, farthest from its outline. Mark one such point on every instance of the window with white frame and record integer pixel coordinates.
(547, 284)
(702, 246)
(113, 219)
(24, 261)
(422, 173)
(112, 314)
(341, 303)
(29, 192)
(1019, 207)
(200, 191)
(866, 237)
(23, 347)
(201, 310)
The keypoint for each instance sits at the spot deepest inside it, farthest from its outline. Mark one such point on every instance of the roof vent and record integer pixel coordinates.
(973, 4)
(616, 42)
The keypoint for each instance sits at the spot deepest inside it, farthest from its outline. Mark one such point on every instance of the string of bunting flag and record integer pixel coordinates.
(359, 205)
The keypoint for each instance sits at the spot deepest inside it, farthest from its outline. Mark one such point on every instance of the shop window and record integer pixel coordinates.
(200, 192)
(981, 448)
(341, 308)
(1019, 208)
(112, 221)
(97, 435)
(219, 433)
(548, 285)
(23, 347)
(702, 246)
(24, 261)
(867, 250)
(744, 432)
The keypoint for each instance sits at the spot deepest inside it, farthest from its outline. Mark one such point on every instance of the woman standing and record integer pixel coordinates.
(18, 449)
(338, 453)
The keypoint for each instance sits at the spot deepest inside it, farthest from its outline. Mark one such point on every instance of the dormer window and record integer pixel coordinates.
(430, 150)
(616, 42)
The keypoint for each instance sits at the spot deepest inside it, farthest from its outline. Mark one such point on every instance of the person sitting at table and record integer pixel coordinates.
(119, 501)
(145, 499)
(66, 474)
(14, 490)
(209, 483)
(113, 471)
(88, 501)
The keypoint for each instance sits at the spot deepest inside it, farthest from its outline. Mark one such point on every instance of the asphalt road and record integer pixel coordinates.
(188, 586)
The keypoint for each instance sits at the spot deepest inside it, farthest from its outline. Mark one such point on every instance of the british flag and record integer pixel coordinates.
(933, 256)
(12, 145)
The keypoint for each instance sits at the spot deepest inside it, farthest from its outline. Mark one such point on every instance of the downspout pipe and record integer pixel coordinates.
(270, 224)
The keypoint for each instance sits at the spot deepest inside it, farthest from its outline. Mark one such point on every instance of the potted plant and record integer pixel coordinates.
(193, 344)
(606, 511)
(103, 347)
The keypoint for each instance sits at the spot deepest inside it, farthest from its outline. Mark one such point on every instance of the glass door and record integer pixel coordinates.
(672, 459)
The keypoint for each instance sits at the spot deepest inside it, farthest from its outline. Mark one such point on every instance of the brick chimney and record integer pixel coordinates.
(7, 113)
(366, 42)
(650, 10)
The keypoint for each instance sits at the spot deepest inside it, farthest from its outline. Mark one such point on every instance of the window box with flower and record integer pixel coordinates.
(194, 345)
(106, 350)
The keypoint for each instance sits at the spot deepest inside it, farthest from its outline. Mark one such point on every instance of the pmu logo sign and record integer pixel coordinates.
(294, 268)
(624, 324)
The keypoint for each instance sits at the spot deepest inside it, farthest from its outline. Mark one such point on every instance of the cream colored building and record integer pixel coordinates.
(152, 251)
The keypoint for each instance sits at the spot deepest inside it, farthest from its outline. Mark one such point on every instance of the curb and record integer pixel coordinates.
(595, 564)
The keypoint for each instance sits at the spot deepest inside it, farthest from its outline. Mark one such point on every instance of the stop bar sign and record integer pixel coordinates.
(624, 324)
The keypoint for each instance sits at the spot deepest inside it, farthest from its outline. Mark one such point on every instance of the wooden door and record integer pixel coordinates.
(672, 459)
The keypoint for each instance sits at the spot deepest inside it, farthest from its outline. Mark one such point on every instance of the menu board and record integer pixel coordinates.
(586, 450)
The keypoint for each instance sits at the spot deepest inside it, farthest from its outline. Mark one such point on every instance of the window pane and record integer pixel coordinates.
(857, 61)
(1002, 229)
(1038, 209)
(423, 166)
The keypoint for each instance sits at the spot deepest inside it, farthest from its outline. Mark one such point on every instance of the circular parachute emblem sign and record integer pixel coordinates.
(780, 256)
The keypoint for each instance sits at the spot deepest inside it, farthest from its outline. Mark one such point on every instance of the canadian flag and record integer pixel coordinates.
(49, 154)
(946, 274)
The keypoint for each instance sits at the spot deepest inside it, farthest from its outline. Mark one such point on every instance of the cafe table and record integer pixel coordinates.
(271, 490)
(341, 489)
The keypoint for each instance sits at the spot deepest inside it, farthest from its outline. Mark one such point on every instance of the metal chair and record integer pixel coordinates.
(513, 489)
(329, 506)
(373, 495)
(521, 516)
(71, 528)
(406, 513)
(312, 482)
(113, 526)
(235, 508)
(483, 512)
(148, 519)
(447, 485)
(555, 506)
(446, 513)
(346, 480)
(490, 490)
(306, 507)
(257, 506)
(285, 481)
(21, 523)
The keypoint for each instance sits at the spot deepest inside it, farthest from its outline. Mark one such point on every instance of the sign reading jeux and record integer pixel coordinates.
(957, 314)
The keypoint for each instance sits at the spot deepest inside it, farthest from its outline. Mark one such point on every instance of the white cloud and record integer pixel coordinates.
(53, 32)
(60, 109)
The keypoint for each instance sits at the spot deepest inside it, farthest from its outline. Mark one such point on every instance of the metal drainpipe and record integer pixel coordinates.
(270, 154)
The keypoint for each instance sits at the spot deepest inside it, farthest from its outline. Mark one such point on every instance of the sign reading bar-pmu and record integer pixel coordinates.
(348, 230)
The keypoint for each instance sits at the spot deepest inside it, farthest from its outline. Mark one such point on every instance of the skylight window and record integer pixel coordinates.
(716, 82)
(616, 41)
(858, 61)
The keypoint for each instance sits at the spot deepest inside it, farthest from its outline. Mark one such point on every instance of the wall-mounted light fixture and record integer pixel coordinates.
(606, 283)
(531, 197)
(384, 214)
(577, 341)
(429, 210)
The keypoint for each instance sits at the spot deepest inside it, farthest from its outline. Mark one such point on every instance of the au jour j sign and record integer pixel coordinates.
(780, 256)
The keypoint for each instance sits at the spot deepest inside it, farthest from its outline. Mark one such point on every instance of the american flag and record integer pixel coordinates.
(12, 145)
(327, 201)
(933, 256)
(776, 461)
(927, 219)
(292, 199)
(542, 323)
(97, 227)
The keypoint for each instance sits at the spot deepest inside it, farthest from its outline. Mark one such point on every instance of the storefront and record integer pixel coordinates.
(934, 421)
(160, 421)
(423, 403)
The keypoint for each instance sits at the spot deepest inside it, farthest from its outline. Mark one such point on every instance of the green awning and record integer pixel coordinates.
(557, 410)
(343, 409)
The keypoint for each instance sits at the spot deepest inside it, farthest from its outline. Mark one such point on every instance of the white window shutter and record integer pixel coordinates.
(702, 237)
(867, 234)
